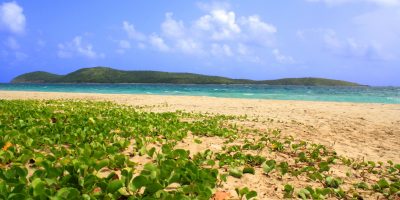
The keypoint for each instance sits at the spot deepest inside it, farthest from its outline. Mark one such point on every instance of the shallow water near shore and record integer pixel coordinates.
(363, 94)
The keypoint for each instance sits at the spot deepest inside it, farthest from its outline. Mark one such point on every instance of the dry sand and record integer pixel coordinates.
(357, 130)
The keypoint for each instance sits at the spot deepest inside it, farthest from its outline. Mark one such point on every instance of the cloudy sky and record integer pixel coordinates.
(354, 40)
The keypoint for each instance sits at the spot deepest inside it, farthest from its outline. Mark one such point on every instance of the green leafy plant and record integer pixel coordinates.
(245, 193)
(288, 191)
(268, 166)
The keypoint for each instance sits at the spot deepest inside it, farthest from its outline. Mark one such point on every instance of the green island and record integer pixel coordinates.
(109, 75)
(56, 149)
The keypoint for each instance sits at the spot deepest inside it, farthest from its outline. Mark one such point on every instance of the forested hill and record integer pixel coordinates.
(109, 75)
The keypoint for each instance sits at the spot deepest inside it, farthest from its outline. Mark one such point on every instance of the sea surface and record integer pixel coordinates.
(366, 94)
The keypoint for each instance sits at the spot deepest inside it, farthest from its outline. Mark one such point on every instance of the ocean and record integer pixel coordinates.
(364, 94)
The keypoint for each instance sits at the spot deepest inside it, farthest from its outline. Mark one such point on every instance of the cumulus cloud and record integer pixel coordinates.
(221, 50)
(189, 46)
(344, 46)
(131, 31)
(12, 18)
(124, 44)
(221, 24)
(218, 33)
(381, 27)
(172, 28)
(77, 47)
(374, 33)
(258, 31)
(282, 58)
(158, 43)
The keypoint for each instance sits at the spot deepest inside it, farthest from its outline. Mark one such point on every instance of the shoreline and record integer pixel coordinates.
(88, 94)
(367, 131)
(194, 96)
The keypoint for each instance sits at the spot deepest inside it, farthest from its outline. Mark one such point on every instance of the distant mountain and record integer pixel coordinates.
(109, 75)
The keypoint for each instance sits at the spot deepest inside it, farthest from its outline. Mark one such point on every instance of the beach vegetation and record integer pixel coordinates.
(57, 149)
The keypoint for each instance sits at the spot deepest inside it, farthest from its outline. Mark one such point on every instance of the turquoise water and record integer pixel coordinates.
(309, 93)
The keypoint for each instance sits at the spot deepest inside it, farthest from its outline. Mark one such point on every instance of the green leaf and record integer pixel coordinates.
(303, 194)
(151, 170)
(150, 152)
(382, 183)
(139, 181)
(38, 187)
(288, 189)
(235, 172)
(332, 182)
(16, 196)
(362, 185)
(248, 170)
(251, 195)
(284, 168)
(114, 185)
(268, 166)
(324, 167)
(152, 188)
(68, 193)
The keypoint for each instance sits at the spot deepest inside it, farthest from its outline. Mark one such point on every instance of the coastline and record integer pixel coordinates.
(367, 131)
(386, 95)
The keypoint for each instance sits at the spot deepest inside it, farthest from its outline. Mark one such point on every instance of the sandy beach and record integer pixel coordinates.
(357, 130)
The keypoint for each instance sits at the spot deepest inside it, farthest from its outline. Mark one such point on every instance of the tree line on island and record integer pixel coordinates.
(109, 75)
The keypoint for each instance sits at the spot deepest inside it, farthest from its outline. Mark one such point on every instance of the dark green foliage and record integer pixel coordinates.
(66, 145)
(37, 77)
(85, 150)
(309, 82)
(109, 75)
(245, 193)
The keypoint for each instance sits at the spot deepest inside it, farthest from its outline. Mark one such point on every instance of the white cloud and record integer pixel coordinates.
(374, 34)
(219, 32)
(124, 44)
(221, 50)
(141, 45)
(243, 49)
(344, 46)
(258, 31)
(330, 39)
(172, 28)
(63, 51)
(12, 43)
(12, 17)
(189, 46)
(220, 23)
(84, 49)
(157, 42)
(131, 31)
(377, 2)
(14, 50)
(381, 27)
(257, 26)
(282, 58)
(77, 47)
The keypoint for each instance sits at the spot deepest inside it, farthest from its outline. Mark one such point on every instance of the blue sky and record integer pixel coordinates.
(354, 40)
